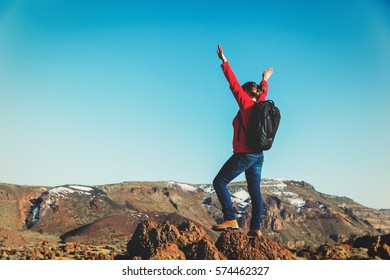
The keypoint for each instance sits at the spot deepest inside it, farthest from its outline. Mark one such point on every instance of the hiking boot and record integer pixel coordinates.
(227, 224)
(254, 233)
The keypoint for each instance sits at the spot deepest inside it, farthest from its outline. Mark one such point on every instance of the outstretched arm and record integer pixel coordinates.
(220, 54)
(263, 87)
(241, 96)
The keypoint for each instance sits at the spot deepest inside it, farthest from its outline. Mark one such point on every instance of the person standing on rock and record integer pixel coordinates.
(244, 159)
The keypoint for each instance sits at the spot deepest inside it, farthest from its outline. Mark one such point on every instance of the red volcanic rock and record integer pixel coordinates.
(378, 246)
(153, 240)
(364, 248)
(168, 251)
(165, 241)
(236, 245)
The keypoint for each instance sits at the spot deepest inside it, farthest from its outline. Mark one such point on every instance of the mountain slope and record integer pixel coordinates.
(295, 214)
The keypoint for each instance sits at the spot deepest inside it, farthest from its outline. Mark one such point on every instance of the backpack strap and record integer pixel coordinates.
(241, 125)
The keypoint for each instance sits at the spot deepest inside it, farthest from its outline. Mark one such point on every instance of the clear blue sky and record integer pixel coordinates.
(96, 92)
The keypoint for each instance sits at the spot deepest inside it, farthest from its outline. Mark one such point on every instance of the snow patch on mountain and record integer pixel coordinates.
(243, 199)
(278, 187)
(209, 189)
(81, 188)
(184, 187)
(62, 191)
(297, 201)
(278, 184)
(241, 195)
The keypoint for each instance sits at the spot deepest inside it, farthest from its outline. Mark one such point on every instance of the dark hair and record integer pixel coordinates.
(248, 86)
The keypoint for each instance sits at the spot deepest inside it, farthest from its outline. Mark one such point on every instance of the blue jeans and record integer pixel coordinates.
(236, 164)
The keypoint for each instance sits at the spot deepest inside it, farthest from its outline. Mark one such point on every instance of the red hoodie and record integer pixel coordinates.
(246, 104)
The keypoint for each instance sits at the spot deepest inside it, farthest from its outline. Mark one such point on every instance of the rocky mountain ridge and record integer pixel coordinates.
(296, 216)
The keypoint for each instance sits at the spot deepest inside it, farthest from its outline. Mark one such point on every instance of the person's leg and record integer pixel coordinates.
(235, 165)
(253, 178)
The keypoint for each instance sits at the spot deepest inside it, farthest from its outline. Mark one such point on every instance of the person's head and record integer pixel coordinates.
(253, 89)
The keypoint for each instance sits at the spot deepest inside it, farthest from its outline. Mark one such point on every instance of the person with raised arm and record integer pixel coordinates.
(244, 158)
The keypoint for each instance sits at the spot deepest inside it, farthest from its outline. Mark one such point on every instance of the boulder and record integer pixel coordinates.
(236, 245)
(164, 241)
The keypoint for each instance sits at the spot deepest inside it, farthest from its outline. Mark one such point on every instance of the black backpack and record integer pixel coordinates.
(264, 123)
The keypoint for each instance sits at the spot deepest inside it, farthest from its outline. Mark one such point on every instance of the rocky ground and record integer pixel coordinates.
(67, 251)
(153, 240)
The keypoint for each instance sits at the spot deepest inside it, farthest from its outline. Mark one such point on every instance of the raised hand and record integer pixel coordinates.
(220, 54)
(267, 73)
